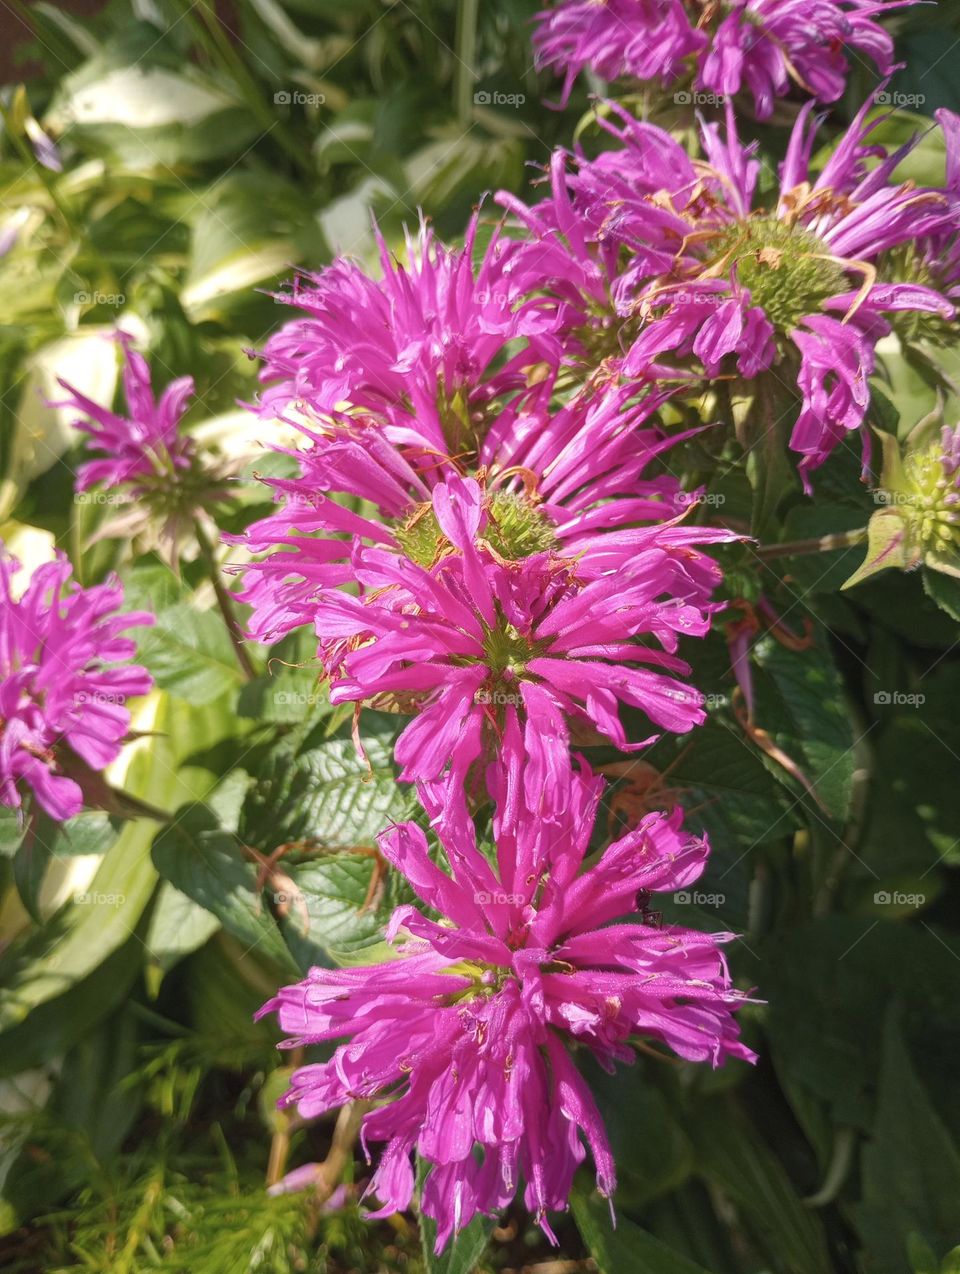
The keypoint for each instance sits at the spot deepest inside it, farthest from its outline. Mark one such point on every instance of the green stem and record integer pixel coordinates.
(225, 603)
(817, 544)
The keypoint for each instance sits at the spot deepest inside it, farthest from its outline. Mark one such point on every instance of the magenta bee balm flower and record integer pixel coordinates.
(62, 697)
(468, 1041)
(140, 449)
(711, 281)
(764, 47)
(421, 350)
(498, 657)
(574, 482)
(166, 489)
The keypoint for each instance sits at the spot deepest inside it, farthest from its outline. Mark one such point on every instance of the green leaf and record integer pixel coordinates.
(178, 926)
(90, 832)
(462, 1254)
(651, 1165)
(205, 862)
(801, 701)
(57, 982)
(190, 654)
(73, 944)
(12, 826)
(911, 1167)
(826, 571)
(732, 1154)
(319, 789)
(627, 1249)
(951, 1262)
(329, 911)
(921, 1255)
(943, 589)
(839, 973)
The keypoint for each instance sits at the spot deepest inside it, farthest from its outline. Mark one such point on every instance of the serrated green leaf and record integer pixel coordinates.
(329, 913)
(801, 702)
(944, 590)
(90, 832)
(319, 789)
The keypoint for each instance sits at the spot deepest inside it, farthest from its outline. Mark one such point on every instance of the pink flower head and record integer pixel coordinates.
(471, 1034)
(642, 39)
(141, 448)
(58, 695)
(800, 287)
(420, 349)
(572, 481)
(765, 47)
(499, 656)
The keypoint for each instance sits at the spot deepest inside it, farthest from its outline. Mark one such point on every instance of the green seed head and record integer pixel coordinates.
(515, 529)
(783, 266)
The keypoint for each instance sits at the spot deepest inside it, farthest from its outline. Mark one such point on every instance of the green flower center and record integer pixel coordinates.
(786, 268)
(507, 652)
(515, 529)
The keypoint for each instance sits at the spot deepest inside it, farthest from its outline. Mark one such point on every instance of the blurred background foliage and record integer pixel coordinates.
(166, 166)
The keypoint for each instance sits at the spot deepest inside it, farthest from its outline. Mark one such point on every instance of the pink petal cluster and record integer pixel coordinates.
(764, 47)
(418, 349)
(138, 448)
(500, 656)
(580, 471)
(60, 691)
(471, 1034)
(704, 279)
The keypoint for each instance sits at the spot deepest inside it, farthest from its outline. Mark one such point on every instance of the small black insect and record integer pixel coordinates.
(652, 918)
